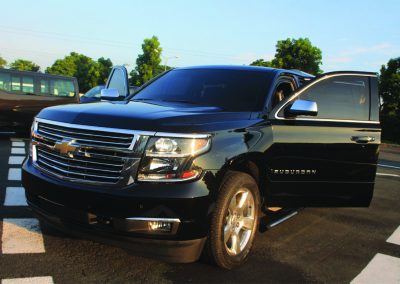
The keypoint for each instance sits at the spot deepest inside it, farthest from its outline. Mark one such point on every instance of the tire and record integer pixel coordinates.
(234, 221)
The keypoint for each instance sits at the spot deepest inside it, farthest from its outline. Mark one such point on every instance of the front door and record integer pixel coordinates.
(328, 159)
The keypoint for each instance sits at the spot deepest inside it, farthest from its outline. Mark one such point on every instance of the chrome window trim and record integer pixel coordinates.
(323, 119)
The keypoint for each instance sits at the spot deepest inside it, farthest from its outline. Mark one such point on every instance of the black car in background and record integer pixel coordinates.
(187, 164)
(23, 94)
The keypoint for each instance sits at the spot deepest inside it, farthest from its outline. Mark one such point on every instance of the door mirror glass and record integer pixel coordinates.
(109, 94)
(303, 107)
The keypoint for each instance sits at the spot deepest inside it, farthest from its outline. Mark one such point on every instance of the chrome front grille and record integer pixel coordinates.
(87, 154)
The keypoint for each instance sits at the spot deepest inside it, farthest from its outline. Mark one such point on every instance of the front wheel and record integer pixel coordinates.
(234, 221)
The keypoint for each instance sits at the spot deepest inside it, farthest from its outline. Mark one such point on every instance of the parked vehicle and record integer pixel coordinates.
(187, 164)
(23, 94)
(93, 95)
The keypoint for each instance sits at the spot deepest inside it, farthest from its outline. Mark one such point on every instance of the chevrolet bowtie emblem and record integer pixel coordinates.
(65, 146)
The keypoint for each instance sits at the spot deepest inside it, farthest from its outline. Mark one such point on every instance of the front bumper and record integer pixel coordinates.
(104, 214)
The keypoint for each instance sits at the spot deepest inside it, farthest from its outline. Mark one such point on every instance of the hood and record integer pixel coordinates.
(148, 117)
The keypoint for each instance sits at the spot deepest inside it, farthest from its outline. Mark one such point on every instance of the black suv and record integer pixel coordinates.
(189, 162)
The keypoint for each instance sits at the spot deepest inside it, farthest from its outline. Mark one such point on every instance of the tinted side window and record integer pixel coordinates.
(117, 81)
(62, 88)
(27, 85)
(15, 84)
(340, 97)
(44, 87)
(5, 82)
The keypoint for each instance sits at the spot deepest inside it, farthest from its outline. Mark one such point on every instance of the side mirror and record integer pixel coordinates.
(303, 107)
(109, 94)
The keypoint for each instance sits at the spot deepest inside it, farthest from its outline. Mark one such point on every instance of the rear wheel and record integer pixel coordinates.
(234, 221)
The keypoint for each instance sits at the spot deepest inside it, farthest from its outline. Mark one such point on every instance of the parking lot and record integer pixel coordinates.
(315, 245)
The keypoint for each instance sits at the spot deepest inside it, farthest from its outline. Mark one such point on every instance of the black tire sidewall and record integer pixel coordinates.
(232, 183)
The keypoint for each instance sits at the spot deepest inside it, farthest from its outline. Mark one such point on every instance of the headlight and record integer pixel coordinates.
(169, 158)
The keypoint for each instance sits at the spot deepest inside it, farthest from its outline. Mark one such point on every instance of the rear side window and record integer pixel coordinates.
(15, 84)
(118, 82)
(44, 87)
(340, 97)
(61, 88)
(27, 85)
(5, 81)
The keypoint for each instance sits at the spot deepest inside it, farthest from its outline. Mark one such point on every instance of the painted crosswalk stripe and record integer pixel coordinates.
(29, 280)
(395, 238)
(22, 236)
(18, 144)
(15, 196)
(381, 269)
(15, 160)
(14, 174)
(18, 151)
(387, 175)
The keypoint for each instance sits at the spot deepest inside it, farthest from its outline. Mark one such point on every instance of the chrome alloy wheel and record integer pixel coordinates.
(239, 221)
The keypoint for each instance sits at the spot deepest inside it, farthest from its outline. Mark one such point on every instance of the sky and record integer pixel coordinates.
(353, 34)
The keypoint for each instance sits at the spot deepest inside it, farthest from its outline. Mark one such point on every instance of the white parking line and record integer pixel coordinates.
(18, 144)
(395, 238)
(381, 269)
(15, 160)
(14, 174)
(388, 166)
(15, 196)
(18, 151)
(22, 236)
(29, 280)
(387, 175)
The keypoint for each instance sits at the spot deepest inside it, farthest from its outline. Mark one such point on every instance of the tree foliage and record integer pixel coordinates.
(295, 54)
(89, 73)
(147, 63)
(389, 87)
(3, 62)
(261, 62)
(105, 66)
(24, 65)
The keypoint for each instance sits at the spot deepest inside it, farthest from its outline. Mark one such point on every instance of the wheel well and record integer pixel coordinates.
(253, 168)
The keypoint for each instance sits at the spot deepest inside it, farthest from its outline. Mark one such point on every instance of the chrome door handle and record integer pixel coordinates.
(362, 139)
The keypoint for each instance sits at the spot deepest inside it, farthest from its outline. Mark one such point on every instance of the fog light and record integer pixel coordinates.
(160, 226)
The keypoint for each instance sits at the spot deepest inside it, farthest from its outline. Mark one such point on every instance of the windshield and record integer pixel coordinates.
(231, 90)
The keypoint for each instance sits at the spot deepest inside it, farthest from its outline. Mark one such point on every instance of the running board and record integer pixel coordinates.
(283, 219)
(273, 218)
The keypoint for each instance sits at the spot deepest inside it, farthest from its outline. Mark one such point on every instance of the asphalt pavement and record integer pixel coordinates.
(340, 245)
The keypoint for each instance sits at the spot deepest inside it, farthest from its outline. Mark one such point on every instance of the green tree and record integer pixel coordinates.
(389, 87)
(295, 54)
(389, 92)
(105, 66)
(85, 69)
(148, 63)
(24, 65)
(3, 62)
(261, 62)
